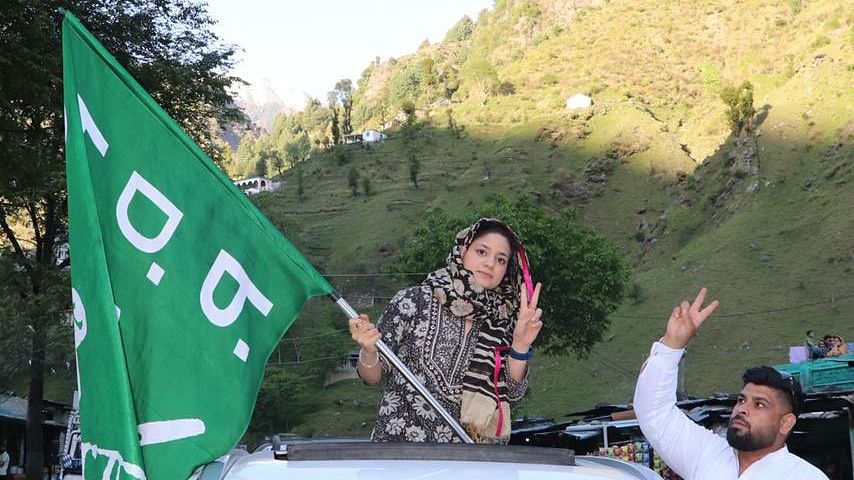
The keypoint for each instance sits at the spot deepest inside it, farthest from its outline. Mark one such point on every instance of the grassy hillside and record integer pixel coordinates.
(761, 219)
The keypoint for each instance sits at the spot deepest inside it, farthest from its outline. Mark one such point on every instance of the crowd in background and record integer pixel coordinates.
(830, 346)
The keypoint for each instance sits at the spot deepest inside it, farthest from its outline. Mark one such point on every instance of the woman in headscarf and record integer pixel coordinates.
(466, 332)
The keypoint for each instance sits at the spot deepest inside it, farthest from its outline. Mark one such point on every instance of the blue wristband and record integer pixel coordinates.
(522, 356)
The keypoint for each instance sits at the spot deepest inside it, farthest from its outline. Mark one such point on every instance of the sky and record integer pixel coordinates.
(304, 47)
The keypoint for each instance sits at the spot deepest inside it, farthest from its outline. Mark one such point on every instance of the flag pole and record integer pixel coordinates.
(397, 363)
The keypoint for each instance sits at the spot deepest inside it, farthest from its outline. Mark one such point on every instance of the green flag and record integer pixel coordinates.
(181, 287)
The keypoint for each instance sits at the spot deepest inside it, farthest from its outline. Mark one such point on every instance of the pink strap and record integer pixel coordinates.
(526, 272)
(499, 350)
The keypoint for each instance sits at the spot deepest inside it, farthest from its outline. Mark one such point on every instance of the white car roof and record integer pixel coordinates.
(373, 461)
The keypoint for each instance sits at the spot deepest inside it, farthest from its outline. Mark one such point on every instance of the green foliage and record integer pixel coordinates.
(739, 103)
(506, 88)
(314, 120)
(21, 312)
(711, 79)
(820, 41)
(453, 127)
(366, 186)
(408, 109)
(341, 155)
(461, 30)
(796, 6)
(300, 187)
(637, 293)
(297, 150)
(344, 89)
(246, 160)
(277, 164)
(336, 132)
(451, 83)
(260, 167)
(405, 84)
(353, 180)
(480, 77)
(584, 275)
(428, 74)
(281, 402)
(414, 164)
(528, 9)
(789, 71)
(685, 224)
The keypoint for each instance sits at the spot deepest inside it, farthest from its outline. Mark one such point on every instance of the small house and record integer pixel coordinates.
(373, 136)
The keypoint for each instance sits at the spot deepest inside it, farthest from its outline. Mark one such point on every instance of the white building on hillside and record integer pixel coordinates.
(373, 136)
(253, 185)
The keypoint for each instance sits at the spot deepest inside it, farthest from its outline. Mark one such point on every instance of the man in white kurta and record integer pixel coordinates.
(755, 447)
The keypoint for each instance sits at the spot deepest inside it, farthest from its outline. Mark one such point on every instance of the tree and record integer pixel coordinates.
(344, 89)
(455, 128)
(584, 275)
(300, 190)
(461, 30)
(428, 75)
(333, 117)
(414, 168)
(405, 83)
(315, 121)
(451, 81)
(276, 162)
(260, 166)
(340, 154)
(263, 154)
(408, 109)
(353, 180)
(739, 102)
(298, 149)
(245, 164)
(481, 78)
(281, 402)
(170, 49)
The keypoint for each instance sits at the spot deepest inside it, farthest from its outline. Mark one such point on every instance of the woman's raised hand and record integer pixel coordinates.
(528, 325)
(364, 333)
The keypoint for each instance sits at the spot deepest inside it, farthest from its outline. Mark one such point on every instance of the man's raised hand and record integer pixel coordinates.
(686, 319)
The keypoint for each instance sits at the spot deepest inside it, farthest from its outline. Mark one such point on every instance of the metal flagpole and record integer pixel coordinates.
(404, 370)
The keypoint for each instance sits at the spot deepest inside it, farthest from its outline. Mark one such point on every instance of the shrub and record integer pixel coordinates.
(820, 41)
(461, 30)
(796, 6)
(506, 88)
(711, 79)
(739, 102)
(353, 180)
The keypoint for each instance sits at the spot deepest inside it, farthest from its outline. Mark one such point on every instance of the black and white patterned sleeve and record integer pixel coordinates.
(515, 389)
(394, 324)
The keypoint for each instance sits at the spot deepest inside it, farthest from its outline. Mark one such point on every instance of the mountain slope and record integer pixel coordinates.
(760, 219)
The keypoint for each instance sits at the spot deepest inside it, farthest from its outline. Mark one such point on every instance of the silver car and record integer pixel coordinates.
(369, 461)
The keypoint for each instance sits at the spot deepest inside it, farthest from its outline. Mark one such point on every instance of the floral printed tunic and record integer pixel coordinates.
(433, 343)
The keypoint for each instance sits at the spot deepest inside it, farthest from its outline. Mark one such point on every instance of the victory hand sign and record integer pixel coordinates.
(528, 325)
(686, 319)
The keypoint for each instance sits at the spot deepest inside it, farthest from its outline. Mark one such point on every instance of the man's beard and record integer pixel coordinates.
(751, 439)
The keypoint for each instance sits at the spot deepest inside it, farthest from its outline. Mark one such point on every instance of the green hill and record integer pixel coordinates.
(760, 219)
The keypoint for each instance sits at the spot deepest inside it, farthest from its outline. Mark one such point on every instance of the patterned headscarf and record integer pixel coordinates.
(485, 411)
